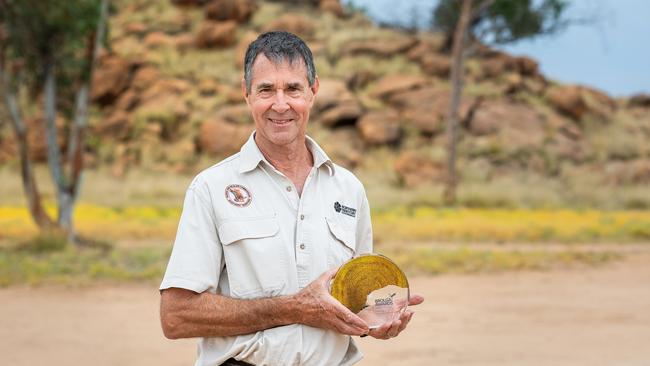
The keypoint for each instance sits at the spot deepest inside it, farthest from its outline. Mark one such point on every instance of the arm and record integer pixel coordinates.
(186, 314)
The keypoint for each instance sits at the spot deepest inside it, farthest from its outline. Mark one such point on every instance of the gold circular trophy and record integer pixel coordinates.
(373, 287)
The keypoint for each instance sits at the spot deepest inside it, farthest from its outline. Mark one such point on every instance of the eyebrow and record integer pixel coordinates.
(295, 85)
(264, 86)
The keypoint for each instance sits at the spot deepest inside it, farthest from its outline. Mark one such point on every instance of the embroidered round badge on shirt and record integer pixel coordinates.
(238, 195)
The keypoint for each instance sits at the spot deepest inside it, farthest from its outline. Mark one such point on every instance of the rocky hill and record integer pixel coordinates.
(167, 97)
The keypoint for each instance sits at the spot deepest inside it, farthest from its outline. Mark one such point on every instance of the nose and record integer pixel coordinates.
(280, 104)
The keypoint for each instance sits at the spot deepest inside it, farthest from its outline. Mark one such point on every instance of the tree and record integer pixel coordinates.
(468, 23)
(48, 50)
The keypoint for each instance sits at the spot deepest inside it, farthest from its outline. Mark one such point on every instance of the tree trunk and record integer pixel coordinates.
(35, 206)
(456, 89)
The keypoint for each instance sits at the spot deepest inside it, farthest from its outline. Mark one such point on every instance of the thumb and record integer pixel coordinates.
(416, 299)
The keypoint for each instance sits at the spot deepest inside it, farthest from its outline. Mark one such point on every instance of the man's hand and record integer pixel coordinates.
(319, 309)
(391, 330)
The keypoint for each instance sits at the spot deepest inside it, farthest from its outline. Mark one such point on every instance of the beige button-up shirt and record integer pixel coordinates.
(246, 233)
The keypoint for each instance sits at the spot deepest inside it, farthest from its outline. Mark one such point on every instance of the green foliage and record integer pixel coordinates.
(503, 21)
(53, 32)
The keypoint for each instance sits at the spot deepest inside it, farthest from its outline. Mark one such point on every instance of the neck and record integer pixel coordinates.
(290, 159)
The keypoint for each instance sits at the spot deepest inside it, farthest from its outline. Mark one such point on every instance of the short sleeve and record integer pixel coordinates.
(364, 228)
(197, 257)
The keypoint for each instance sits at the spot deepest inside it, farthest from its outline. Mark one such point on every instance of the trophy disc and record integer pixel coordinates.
(373, 287)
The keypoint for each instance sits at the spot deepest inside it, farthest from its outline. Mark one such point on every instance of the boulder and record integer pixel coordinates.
(127, 100)
(236, 113)
(110, 79)
(568, 100)
(237, 10)
(135, 28)
(628, 172)
(144, 77)
(165, 87)
(639, 100)
(424, 119)
(184, 41)
(343, 114)
(343, 146)
(332, 92)
(414, 169)
(396, 83)
(242, 47)
(522, 124)
(208, 87)
(360, 79)
(117, 126)
(213, 34)
(428, 44)
(379, 47)
(526, 66)
(567, 148)
(295, 23)
(189, 2)
(333, 7)
(436, 65)
(218, 137)
(431, 101)
(379, 127)
(159, 39)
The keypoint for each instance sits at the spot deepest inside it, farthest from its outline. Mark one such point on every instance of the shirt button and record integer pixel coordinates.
(302, 246)
(288, 188)
(302, 217)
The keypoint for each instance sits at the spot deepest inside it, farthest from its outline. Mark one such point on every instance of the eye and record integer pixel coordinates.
(265, 92)
(293, 91)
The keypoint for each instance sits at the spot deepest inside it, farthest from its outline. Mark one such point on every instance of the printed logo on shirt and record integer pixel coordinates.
(238, 195)
(345, 209)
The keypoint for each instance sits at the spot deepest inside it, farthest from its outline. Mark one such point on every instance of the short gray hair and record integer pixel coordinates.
(278, 46)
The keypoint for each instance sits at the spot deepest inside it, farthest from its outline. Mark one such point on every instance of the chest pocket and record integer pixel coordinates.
(342, 243)
(254, 256)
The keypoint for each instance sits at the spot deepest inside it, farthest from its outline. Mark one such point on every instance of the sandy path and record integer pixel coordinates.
(563, 317)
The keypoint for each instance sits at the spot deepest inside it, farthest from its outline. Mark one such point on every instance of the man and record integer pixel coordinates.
(260, 238)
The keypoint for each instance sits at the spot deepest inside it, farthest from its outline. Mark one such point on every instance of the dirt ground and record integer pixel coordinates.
(593, 316)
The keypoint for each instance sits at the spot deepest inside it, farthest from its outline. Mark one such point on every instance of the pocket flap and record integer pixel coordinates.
(344, 234)
(237, 229)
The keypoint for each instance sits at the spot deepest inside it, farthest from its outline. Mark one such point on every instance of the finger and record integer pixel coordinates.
(345, 328)
(405, 318)
(394, 328)
(351, 319)
(380, 332)
(416, 299)
(328, 275)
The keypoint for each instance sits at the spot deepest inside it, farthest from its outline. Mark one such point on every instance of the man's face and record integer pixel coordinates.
(280, 99)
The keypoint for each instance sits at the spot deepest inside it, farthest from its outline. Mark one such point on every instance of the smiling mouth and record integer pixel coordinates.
(280, 121)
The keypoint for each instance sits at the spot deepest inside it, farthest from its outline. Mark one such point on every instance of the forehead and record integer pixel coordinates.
(265, 70)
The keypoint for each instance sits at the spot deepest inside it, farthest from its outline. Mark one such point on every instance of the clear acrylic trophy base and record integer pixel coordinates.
(384, 306)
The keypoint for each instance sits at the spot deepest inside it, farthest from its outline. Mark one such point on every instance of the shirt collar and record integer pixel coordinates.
(251, 156)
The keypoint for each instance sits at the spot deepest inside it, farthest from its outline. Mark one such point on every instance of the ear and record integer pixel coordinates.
(314, 90)
(243, 89)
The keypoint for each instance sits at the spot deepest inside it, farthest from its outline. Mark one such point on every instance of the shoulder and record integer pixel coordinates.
(345, 178)
(217, 174)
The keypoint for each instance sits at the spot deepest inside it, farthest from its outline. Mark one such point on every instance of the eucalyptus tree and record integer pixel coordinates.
(48, 51)
(468, 23)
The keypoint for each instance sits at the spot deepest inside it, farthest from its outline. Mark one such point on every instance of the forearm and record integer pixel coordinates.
(185, 314)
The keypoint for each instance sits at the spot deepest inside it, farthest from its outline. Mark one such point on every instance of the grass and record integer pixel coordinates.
(69, 265)
(466, 260)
